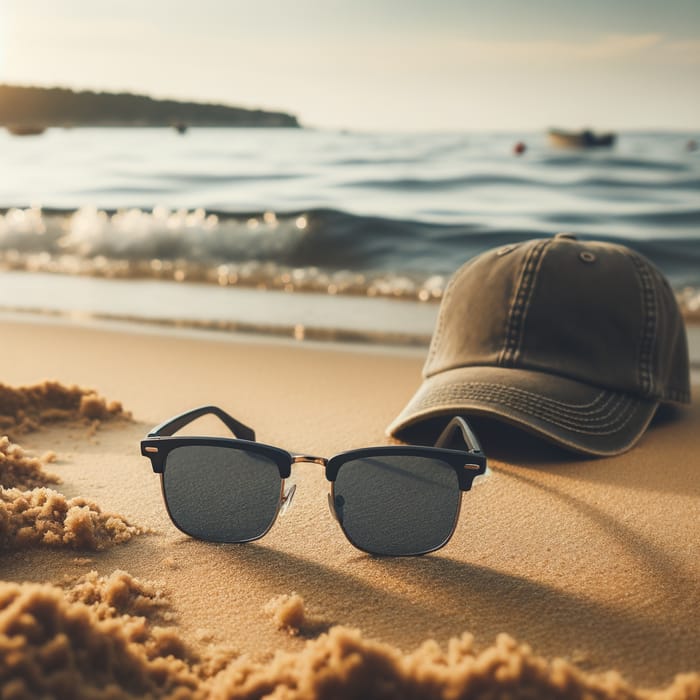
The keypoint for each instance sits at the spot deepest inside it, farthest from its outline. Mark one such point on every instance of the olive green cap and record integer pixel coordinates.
(575, 341)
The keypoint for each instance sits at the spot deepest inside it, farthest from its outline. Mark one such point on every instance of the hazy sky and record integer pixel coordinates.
(377, 64)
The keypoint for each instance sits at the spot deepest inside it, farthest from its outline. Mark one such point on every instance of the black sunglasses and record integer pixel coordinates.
(394, 500)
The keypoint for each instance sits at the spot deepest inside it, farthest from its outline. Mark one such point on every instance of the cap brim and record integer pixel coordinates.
(574, 415)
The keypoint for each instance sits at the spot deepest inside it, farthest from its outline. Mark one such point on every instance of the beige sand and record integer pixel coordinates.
(592, 561)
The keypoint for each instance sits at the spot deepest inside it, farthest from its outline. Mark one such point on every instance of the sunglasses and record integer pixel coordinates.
(397, 500)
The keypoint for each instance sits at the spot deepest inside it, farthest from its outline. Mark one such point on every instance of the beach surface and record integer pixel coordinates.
(593, 561)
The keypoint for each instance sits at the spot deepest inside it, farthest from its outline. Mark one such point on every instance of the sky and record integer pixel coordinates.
(386, 65)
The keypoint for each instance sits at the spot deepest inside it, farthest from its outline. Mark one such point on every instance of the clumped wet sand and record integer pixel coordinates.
(98, 640)
(52, 647)
(343, 665)
(21, 470)
(44, 517)
(287, 612)
(120, 593)
(23, 409)
(31, 514)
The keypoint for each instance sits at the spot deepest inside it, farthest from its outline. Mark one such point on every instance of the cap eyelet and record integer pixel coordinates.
(586, 256)
(506, 249)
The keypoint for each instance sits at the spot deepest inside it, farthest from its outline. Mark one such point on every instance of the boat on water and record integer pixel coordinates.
(25, 129)
(580, 139)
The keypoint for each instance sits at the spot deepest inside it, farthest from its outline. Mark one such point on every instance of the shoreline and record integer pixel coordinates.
(185, 331)
(589, 560)
(287, 336)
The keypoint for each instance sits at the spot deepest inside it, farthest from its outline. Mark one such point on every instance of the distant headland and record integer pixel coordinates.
(23, 107)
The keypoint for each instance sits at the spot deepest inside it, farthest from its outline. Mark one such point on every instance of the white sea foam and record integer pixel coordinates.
(24, 229)
(188, 246)
(261, 251)
(196, 235)
(134, 234)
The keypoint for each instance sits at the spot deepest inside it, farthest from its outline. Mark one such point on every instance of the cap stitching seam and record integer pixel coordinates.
(507, 355)
(589, 427)
(540, 401)
(611, 429)
(503, 395)
(531, 293)
(507, 351)
(560, 404)
(648, 300)
(680, 395)
(561, 439)
(548, 414)
(603, 429)
(507, 331)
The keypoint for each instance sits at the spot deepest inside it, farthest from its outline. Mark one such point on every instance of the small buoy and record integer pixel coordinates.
(692, 145)
(519, 148)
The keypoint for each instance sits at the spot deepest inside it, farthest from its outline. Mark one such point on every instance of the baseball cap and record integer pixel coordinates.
(575, 341)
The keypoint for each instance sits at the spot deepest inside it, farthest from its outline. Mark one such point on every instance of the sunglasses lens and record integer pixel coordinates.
(221, 494)
(397, 505)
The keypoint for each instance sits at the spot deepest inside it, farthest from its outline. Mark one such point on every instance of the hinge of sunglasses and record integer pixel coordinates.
(287, 498)
(151, 449)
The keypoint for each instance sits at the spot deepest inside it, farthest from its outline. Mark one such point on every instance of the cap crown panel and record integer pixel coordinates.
(586, 319)
(473, 316)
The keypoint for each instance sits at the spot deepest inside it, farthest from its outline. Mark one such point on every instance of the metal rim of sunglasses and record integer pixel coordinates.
(468, 463)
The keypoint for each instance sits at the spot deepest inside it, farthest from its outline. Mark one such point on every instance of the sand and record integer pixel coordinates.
(591, 564)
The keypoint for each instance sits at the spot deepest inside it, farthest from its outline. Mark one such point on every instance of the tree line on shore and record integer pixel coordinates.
(38, 106)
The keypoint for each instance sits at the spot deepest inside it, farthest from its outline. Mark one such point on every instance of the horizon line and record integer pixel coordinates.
(344, 127)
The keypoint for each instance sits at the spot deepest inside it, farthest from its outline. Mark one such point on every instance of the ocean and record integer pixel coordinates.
(312, 234)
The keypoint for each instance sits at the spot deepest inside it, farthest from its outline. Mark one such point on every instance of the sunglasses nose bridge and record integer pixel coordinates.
(313, 459)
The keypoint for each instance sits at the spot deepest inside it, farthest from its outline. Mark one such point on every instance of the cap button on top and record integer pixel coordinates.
(567, 236)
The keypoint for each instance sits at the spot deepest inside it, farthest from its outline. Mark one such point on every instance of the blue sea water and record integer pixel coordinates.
(363, 216)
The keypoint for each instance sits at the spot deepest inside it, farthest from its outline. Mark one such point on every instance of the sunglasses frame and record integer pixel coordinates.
(468, 464)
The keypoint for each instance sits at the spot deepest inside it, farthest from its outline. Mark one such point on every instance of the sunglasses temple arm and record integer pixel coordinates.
(172, 425)
(457, 434)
